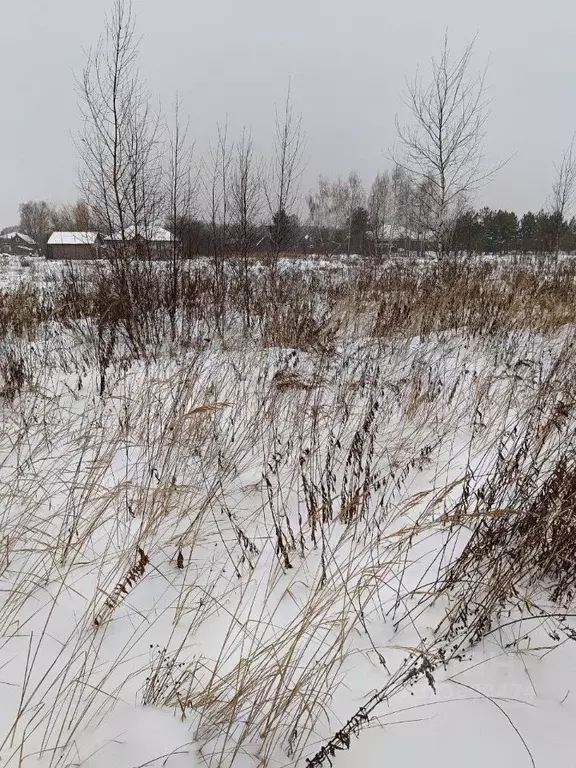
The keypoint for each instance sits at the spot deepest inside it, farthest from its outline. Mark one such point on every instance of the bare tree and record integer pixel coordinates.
(397, 220)
(180, 196)
(121, 171)
(246, 207)
(355, 198)
(398, 196)
(407, 208)
(443, 145)
(320, 211)
(563, 190)
(122, 175)
(83, 218)
(328, 207)
(217, 187)
(419, 209)
(379, 209)
(333, 209)
(283, 184)
(36, 221)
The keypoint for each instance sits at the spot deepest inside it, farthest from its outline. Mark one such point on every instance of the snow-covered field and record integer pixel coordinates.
(254, 556)
(19, 270)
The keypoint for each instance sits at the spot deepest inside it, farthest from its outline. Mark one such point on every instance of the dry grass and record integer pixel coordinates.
(379, 446)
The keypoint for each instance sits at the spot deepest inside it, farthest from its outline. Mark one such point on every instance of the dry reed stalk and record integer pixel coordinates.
(130, 579)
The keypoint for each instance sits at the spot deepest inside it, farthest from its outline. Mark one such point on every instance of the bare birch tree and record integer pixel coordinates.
(332, 208)
(217, 187)
(354, 198)
(246, 208)
(283, 185)
(563, 190)
(36, 221)
(180, 195)
(443, 145)
(379, 208)
(397, 199)
(420, 197)
(121, 169)
(328, 206)
(121, 176)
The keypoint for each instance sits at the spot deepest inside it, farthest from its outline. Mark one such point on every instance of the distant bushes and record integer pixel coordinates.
(147, 304)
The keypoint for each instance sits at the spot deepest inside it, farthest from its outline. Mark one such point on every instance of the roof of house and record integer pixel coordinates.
(398, 232)
(73, 238)
(152, 235)
(21, 235)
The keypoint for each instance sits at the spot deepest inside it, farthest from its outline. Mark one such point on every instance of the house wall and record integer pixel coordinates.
(16, 247)
(75, 252)
(155, 250)
(161, 250)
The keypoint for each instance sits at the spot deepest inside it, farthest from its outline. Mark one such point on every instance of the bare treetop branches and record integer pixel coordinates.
(443, 146)
(121, 133)
(286, 171)
(246, 208)
(563, 189)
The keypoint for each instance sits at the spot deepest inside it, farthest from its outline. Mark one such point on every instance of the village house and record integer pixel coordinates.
(18, 244)
(74, 245)
(153, 243)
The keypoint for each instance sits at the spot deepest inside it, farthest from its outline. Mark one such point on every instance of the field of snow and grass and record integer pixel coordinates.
(19, 270)
(342, 532)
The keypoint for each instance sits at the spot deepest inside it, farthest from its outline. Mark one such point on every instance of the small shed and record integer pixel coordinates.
(18, 244)
(74, 245)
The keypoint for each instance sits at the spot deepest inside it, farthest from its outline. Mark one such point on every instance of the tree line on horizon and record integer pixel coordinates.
(379, 223)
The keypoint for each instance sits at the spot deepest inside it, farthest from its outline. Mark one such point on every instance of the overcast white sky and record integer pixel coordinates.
(347, 58)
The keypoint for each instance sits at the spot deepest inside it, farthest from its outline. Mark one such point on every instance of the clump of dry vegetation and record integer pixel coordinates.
(272, 504)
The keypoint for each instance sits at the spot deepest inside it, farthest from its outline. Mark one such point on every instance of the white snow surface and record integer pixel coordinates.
(131, 736)
(228, 656)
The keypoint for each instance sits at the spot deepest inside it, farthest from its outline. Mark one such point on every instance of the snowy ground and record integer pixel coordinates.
(227, 555)
(19, 270)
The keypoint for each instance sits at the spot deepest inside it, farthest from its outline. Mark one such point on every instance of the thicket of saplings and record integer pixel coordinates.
(338, 426)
